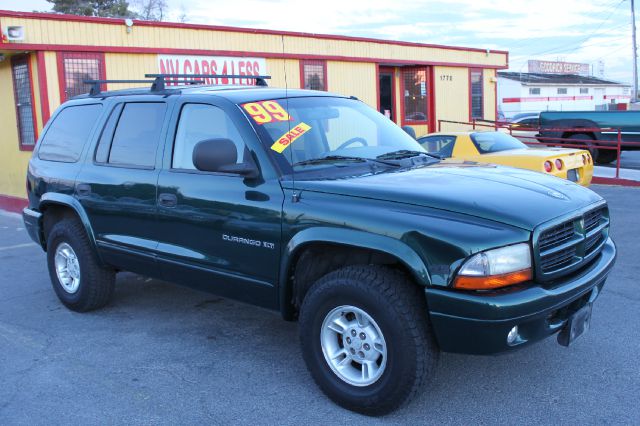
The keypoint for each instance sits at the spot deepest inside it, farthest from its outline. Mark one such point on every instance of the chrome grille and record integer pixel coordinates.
(592, 219)
(567, 246)
(556, 236)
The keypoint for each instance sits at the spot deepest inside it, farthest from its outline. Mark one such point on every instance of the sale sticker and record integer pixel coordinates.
(266, 112)
(287, 139)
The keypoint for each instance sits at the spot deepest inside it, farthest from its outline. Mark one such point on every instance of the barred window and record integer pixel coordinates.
(78, 67)
(562, 90)
(314, 75)
(584, 90)
(534, 90)
(22, 86)
(477, 94)
(415, 96)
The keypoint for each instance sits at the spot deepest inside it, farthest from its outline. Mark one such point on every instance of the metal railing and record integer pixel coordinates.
(541, 140)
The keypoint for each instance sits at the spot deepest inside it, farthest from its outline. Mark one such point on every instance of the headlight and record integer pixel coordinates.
(496, 268)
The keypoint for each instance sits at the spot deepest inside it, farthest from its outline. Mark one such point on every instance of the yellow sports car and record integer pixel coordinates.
(575, 165)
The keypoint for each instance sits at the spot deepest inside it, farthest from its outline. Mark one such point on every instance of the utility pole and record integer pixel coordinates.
(635, 53)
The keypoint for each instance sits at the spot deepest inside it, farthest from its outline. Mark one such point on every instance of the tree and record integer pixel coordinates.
(102, 8)
(151, 10)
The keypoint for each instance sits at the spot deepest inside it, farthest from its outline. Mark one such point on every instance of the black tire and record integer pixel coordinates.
(398, 307)
(96, 284)
(606, 156)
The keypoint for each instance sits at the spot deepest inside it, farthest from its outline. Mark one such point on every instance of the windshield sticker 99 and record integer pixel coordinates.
(266, 112)
(285, 140)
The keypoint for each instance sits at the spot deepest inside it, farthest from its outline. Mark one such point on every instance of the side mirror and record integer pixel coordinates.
(221, 155)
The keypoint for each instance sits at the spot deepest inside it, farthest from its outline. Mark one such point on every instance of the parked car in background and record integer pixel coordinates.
(579, 127)
(523, 115)
(524, 127)
(499, 148)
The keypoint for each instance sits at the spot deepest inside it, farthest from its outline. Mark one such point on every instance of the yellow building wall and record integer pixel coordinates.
(490, 94)
(279, 68)
(51, 65)
(100, 34)
(13, 162)
(36, 93)
(353, 79)
(452, 96)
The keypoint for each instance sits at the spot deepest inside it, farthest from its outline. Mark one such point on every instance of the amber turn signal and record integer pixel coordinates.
(464, 282)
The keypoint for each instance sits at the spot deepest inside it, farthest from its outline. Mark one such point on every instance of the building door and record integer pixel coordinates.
(598, 96)
(387, 98)
(76, 67)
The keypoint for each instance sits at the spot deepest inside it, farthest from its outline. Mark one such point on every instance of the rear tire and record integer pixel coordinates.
(606, 156)
(391, 352)
(78, 279)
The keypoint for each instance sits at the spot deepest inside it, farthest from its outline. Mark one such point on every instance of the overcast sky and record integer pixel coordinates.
(586, 31)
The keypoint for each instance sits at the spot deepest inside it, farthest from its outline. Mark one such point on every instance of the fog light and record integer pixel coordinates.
(513, 335)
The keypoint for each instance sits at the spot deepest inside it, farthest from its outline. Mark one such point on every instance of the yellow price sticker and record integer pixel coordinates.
(287, 139)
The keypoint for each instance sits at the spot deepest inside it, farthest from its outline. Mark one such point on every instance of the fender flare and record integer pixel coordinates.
(348, 237)
(54, 198)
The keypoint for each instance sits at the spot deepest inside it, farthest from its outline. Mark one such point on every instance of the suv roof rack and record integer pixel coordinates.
(159, 82)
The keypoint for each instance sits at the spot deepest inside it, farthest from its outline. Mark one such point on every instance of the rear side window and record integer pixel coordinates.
(68, 133)
(135, 140)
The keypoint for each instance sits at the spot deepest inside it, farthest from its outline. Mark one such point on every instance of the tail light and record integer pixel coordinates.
(548, 166)
(559, 164)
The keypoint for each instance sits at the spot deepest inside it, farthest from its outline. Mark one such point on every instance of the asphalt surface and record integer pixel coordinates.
(163, 354)
(628, 160)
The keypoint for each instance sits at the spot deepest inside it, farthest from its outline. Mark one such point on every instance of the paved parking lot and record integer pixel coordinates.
(628, 160)
(163, 354)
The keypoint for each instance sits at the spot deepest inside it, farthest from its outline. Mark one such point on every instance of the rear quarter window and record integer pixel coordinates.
(68, 133)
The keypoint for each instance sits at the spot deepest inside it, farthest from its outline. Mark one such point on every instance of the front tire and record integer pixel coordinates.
(365, 338)
(78, 279)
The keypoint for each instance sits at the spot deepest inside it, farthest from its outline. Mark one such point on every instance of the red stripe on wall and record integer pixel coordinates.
(12, 204)
(546, 98)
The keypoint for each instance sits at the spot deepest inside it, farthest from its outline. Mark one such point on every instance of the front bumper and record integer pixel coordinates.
(475, 323)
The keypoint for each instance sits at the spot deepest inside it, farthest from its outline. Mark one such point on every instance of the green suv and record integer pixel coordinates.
(319, 207)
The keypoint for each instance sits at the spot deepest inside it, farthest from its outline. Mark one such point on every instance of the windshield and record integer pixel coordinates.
(299, 131)
(487, 142)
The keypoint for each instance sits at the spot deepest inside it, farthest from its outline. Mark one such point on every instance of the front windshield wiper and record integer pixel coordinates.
(332, 158)
(403, 153)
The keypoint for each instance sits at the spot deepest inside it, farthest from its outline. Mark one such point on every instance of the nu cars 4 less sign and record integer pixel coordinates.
(213, 65)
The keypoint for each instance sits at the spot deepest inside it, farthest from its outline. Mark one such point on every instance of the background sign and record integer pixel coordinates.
(549, 67)
(213, 65)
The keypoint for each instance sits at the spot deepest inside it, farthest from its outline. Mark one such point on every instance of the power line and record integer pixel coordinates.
(595, 43)
(523, 42)
(593, 33)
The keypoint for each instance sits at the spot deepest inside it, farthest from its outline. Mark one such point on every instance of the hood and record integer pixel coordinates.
(512, 196)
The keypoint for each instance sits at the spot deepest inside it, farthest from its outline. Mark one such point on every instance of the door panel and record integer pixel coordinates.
(223, 234)
(120, 199)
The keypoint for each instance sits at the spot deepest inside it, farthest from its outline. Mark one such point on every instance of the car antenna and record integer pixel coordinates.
(295, 196)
